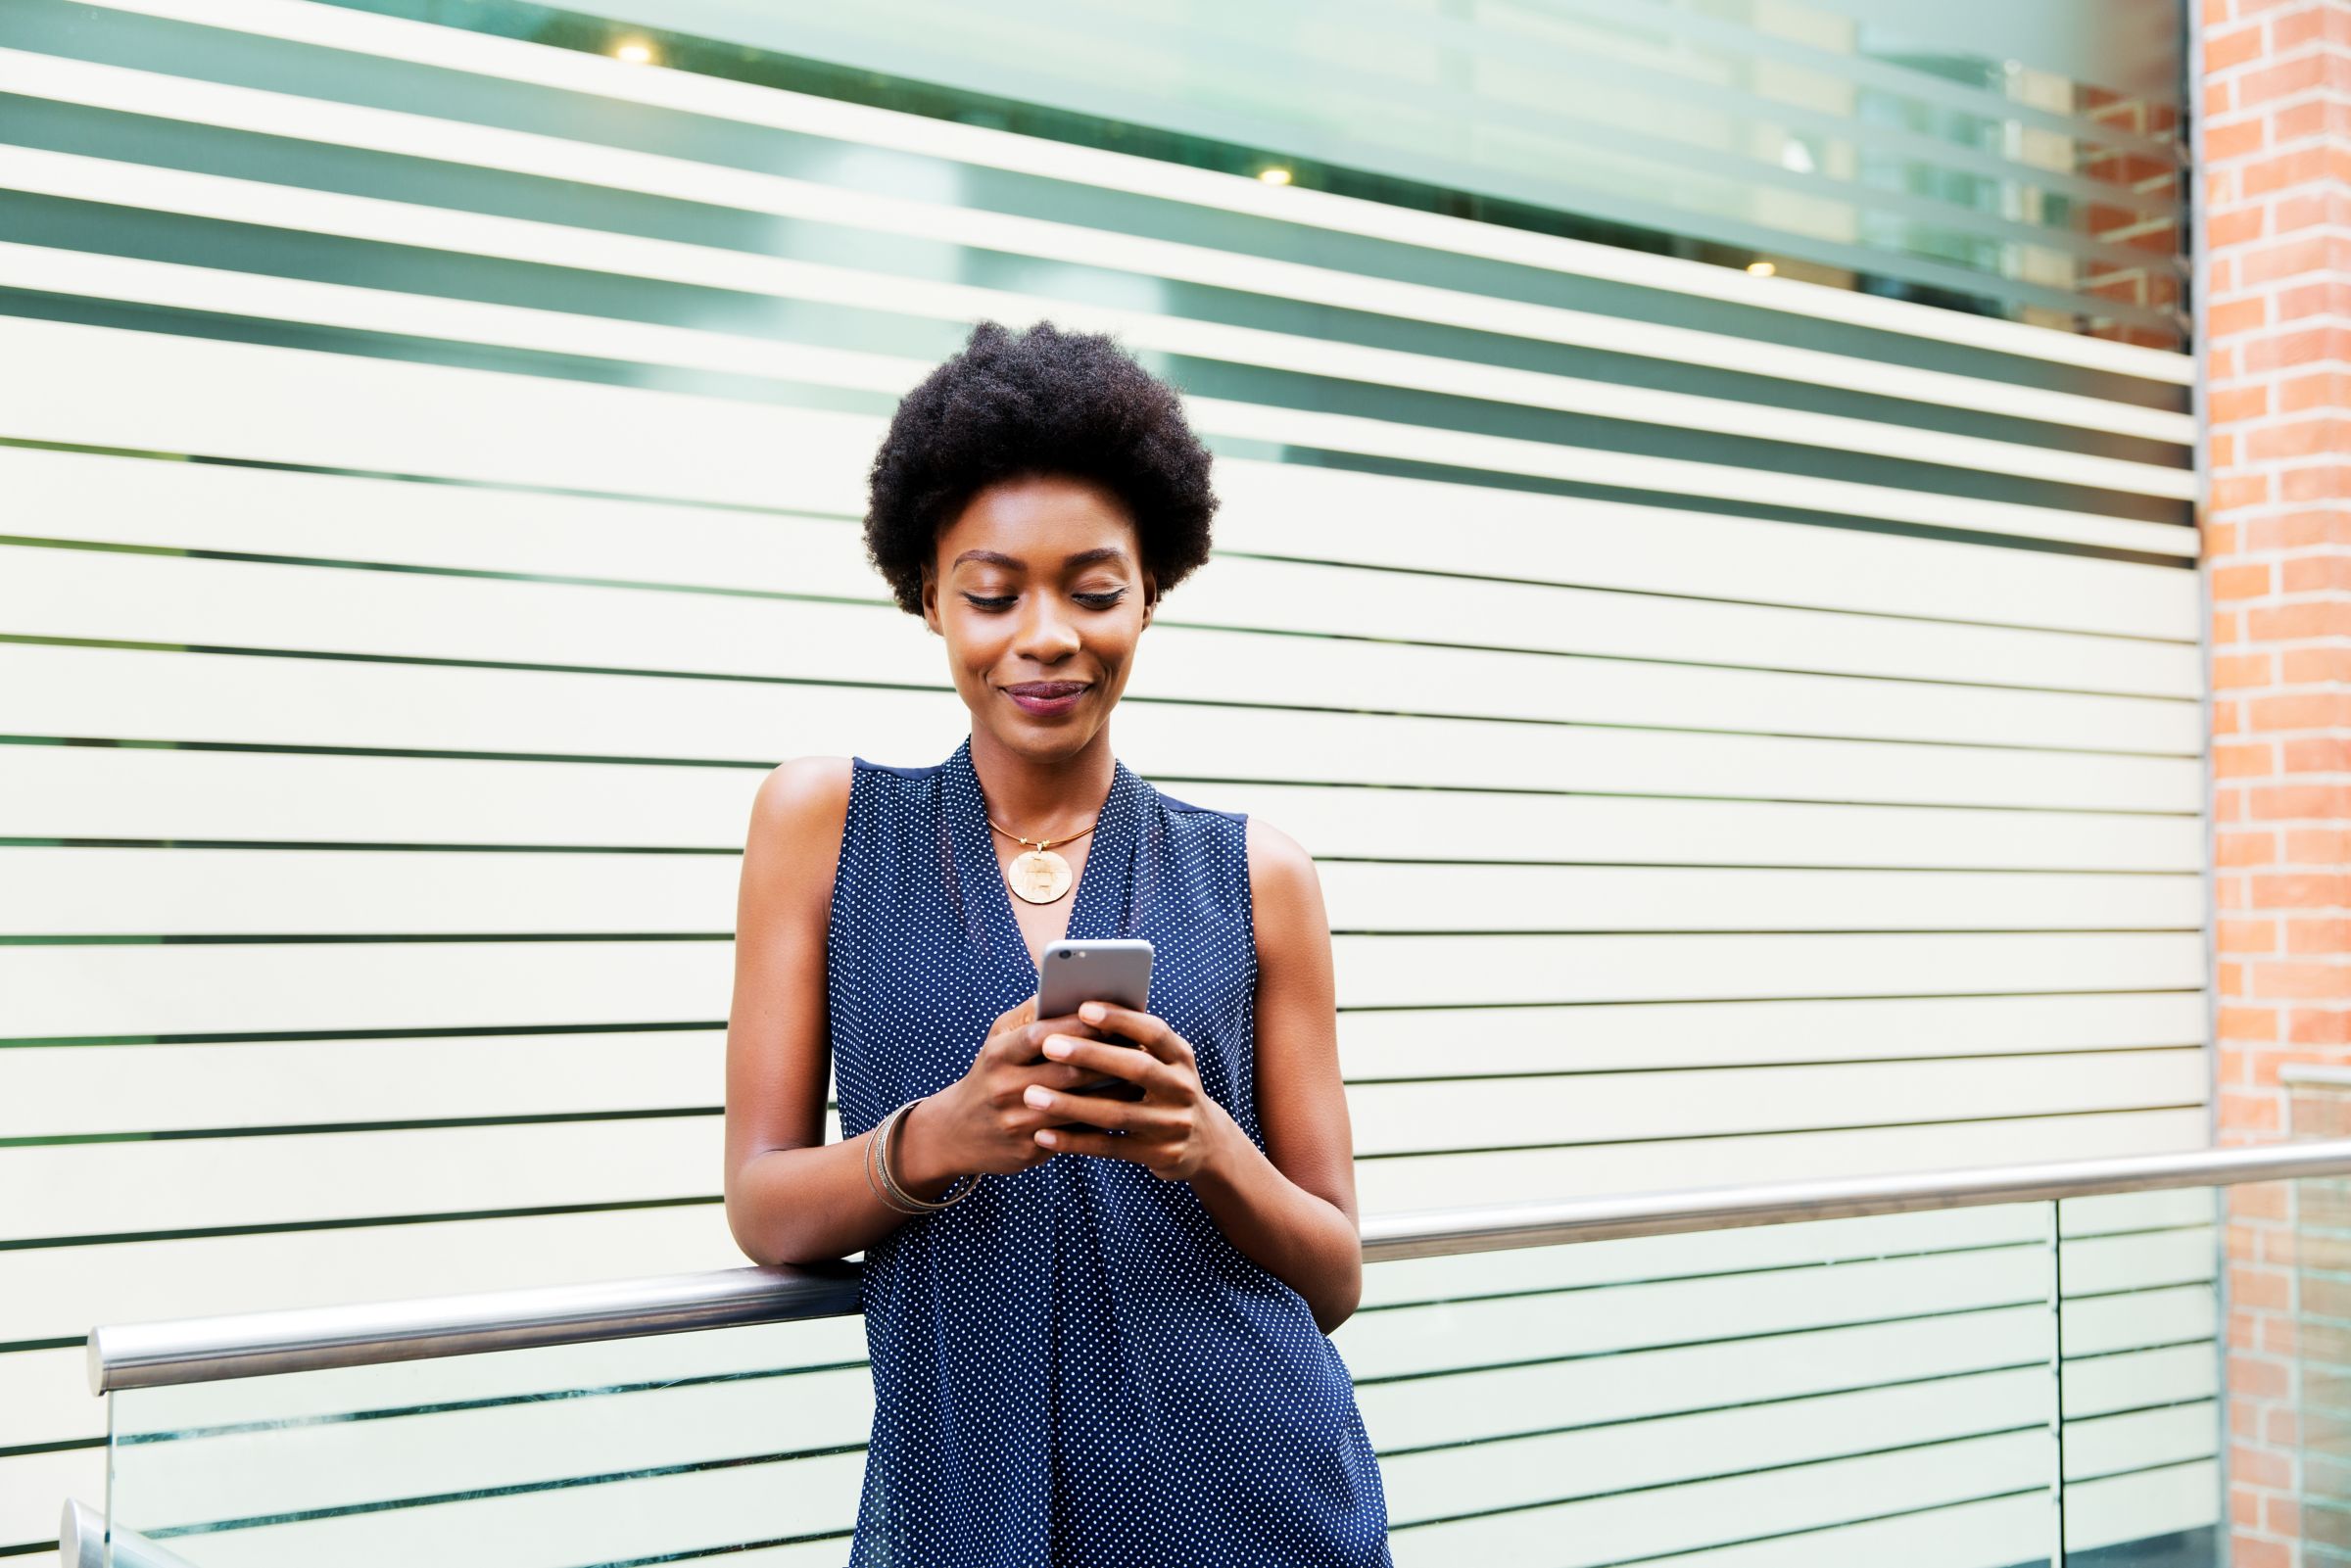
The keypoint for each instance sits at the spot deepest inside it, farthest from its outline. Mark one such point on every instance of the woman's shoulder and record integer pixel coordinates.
(802, 800)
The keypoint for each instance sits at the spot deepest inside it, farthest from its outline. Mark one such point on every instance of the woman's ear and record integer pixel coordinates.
(1150, 597)
(931, 601)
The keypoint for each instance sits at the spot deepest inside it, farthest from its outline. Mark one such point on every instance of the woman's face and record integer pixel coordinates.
(1039, 589)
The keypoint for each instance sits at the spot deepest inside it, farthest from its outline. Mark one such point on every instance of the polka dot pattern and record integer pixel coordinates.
(1073, 1366)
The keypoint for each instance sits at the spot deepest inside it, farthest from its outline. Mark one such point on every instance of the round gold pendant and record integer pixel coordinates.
(1038, 876)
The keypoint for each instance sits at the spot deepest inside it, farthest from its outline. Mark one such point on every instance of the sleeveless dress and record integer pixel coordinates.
(1073, 1366)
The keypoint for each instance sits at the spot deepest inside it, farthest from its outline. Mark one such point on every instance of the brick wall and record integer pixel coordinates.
(2275, 94)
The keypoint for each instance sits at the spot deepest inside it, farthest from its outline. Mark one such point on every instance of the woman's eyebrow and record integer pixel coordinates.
(987, 557)
(1087, 558)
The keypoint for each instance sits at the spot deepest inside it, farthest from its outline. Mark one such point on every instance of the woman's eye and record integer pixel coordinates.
(989, 601)
(1100, 600)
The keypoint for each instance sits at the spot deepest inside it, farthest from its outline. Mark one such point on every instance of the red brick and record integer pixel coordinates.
(2254, 759)
(2238, 225)
(2254, 580)
(2303, 618)
(2299, 438)
(2318, 936)
(2318, 482)
(2237, 316)
(2310, 890)
(2246, 846)
(2316, 847)
(2316, 754)
(2246, 936)
(2253, 1025)
(2315, 574)
(2316, 388)
(2240, 402)
(2243, 490)
(2305, 666)
(2225, 51)
(2243, 670)
(2286, 981)
(2318, 1025)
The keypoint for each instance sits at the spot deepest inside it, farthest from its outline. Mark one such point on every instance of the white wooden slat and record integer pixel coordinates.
(554, 1527)
(2116, 1214)
(1646, 581)
(1733, 1508)
(1533, 1471)
(62, 791)
(1420, 970)
(267, 988)
(47, 1397)
(699, 94)
(2157, 1503)
(1801, 1244)
(806, 284)
(1407, 1043)
(1395, 1118)
(1316, 514)
(118, 1188)
(2158, 1316)
(2004, 1530)
(34, 1487)
(2102, 1265)
(117, 693)
(87, 593)
(62, 1091)
(90, 891)
(161, 285)
(2111, 1382)
(1443, 1181)
(2140, 1440)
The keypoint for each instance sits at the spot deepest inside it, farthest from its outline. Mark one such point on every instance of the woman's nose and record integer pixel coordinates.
(1045, 633)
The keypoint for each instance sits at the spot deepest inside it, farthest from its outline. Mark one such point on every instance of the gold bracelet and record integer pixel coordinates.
(896, 1196)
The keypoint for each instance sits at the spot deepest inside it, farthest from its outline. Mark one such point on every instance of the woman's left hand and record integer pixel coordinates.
(1176, 1130)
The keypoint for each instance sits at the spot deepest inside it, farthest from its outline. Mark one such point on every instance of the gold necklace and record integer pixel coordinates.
(1038, 876)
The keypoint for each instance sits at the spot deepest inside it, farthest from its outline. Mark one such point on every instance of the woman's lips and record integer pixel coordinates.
(1046, 698)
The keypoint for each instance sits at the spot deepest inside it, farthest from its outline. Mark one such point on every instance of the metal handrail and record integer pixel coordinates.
(199, 1350)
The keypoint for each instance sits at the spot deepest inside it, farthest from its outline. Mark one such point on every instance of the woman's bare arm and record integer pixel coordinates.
(1291, 1207)
(790, 1196)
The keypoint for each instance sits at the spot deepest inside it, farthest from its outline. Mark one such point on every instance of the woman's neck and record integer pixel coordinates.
(1045, 798)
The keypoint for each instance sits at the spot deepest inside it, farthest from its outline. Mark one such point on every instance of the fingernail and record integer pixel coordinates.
(1043, 1136)
(1038, 1096)
(1060, 1045)
(1092, 1012)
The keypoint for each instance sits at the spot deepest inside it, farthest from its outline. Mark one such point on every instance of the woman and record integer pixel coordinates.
(1097, 1325)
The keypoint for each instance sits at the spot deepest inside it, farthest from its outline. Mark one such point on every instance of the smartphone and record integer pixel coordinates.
(1115, 971)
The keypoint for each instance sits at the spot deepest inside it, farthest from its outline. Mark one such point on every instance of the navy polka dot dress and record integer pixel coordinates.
(1073, 1366)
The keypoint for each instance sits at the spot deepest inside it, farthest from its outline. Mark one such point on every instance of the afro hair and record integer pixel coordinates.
(1038, 402)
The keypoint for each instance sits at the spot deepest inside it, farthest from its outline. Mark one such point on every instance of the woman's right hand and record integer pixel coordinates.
(980, 1122)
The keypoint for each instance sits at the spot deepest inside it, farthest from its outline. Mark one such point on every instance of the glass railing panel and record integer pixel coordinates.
(2318, 1211)
(743, 1442)
(1871, 1390)
(2142, 1380)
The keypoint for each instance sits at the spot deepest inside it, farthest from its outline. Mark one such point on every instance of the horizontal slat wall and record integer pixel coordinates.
(1747, 728)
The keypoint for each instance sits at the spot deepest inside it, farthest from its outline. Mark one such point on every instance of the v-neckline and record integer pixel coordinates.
(1104, 844)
